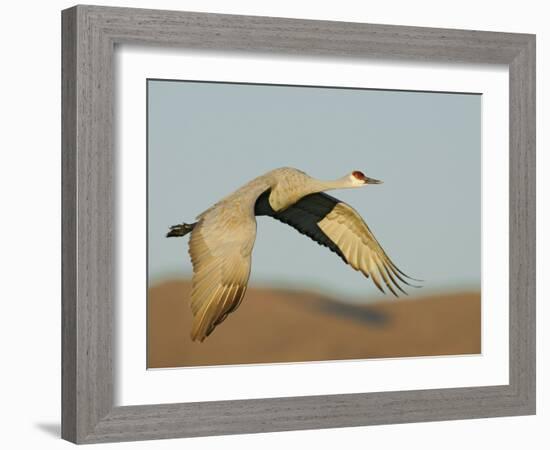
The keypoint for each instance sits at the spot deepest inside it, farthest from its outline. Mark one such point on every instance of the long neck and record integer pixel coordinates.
(340, 183)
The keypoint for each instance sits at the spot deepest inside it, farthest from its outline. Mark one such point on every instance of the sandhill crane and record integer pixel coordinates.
(223, 236)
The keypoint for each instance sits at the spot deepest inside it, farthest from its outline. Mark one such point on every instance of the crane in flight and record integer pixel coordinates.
(223, 236)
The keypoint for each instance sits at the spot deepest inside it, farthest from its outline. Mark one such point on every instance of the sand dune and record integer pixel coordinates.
(288, 326)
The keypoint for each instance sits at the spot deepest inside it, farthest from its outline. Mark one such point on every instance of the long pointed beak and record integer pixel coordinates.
(368, 180)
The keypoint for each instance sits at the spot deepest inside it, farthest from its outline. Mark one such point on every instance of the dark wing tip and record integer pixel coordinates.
(406, 276)
(400, 274)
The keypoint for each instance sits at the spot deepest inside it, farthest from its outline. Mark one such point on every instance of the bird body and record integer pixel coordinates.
(223, 237)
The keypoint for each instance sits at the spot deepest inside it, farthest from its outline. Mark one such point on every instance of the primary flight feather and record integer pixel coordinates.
(223, 236)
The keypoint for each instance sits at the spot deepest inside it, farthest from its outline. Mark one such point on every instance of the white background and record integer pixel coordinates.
(30, 226)
(134, 385)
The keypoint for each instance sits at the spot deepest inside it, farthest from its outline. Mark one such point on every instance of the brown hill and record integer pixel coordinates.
(285, 326)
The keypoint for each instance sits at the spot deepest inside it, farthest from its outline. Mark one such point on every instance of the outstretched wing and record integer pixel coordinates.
(345, 227)
(304, 216)
(339, 227)
(220, 248)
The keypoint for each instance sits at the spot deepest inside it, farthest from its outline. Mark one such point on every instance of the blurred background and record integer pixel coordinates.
(303, 303)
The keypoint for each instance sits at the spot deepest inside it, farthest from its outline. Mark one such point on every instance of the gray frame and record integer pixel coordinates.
(89, 36)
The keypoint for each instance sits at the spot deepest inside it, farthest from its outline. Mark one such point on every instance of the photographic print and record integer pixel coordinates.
(310, 223)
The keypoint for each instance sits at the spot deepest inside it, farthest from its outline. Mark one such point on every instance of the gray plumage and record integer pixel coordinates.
(223, 237)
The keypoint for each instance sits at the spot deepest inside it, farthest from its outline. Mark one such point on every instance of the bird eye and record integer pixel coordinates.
(359, 175)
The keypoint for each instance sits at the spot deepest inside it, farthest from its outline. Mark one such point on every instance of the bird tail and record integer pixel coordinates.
(180, 229)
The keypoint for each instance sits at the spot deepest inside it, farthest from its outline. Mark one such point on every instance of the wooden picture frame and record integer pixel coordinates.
(89, 37)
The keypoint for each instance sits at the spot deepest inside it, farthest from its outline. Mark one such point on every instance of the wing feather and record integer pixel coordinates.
(345, 227)
(220, 248)
(336, 225)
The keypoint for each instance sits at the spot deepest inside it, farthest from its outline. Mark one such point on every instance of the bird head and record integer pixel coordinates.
(358, 178)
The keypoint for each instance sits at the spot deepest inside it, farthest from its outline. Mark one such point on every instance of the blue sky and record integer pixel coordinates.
(207, 139)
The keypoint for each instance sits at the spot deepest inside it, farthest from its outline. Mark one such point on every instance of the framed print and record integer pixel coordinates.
(255, 209)
(289, 278)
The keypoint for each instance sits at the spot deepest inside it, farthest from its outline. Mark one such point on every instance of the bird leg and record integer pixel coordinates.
(180, 229)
